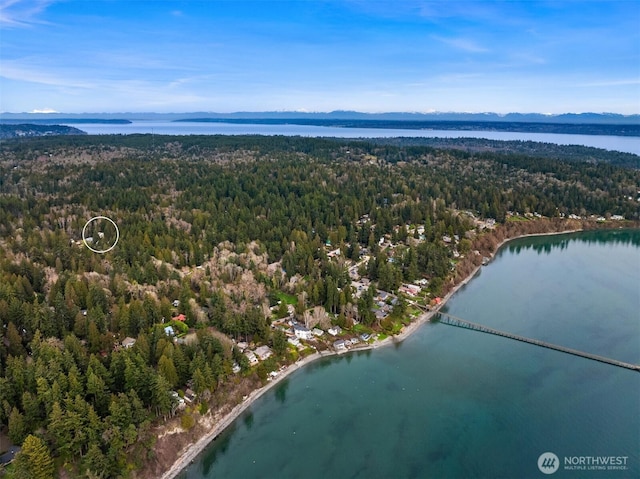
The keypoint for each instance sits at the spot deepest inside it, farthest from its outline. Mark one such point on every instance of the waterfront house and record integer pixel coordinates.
(410, 289)
(302, 332)
(263, 352)
(334, 330)
(340, 345)
(405, 290)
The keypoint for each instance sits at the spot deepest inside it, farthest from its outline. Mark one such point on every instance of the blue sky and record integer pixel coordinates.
(367, 55)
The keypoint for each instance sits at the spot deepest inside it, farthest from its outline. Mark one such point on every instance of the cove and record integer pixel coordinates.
(453, 403)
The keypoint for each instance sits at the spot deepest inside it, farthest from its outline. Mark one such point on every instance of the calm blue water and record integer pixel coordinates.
(617, 143)
(453, 403)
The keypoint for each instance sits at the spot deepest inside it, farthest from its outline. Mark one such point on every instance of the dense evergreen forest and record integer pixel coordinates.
(573, 153)
(214, 233)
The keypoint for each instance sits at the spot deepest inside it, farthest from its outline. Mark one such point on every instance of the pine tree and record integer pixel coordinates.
(34, 460)
(279, 342)
(17, 426)
(168, 370)
(161, 398)
(97, 388)
(199, 381)
(15, 341)
(95, 462)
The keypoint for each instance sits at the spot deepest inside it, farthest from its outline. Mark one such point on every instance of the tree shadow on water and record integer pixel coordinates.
(281, 391)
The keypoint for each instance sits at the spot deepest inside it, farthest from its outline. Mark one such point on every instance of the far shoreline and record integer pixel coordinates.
(191, 452)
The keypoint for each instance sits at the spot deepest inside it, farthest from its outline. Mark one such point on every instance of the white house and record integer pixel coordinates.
(302, 332)
(334, 330)
(128, 342)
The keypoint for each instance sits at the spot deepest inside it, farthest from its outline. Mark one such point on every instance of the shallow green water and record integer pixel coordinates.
(453, 403)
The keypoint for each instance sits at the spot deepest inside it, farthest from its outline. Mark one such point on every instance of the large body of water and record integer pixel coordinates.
(627, 144)
(454, 403)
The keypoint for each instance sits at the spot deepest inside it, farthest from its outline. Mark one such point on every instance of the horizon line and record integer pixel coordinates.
(47, 112)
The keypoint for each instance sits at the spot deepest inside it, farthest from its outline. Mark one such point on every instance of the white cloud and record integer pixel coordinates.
(22, 13)
(37, 74)
(44, 110)
(462, 44)
(610, 83)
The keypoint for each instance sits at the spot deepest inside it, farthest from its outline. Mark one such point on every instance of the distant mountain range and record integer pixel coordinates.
(565, 118)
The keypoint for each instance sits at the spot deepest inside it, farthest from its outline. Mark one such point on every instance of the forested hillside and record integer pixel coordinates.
(573, 153)
(23, 130)
(216, 235)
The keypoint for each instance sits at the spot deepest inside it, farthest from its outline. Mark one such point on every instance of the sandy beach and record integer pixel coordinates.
(192, 451)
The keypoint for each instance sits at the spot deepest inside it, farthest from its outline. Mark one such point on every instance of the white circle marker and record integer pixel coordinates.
(84, 240)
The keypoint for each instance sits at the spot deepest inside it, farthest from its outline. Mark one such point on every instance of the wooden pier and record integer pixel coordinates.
(446, 318)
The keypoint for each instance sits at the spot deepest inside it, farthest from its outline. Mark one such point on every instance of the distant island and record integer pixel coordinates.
(457, 125)
(24, 130)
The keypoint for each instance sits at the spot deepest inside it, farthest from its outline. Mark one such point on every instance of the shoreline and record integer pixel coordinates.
(201, 444)
(192, 451)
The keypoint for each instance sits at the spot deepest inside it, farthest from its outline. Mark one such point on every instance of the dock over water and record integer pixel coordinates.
(446, 318)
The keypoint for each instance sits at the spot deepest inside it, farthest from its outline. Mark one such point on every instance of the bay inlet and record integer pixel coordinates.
(451, 403)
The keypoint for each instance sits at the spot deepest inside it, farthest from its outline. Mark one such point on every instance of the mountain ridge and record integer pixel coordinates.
(576, 118)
